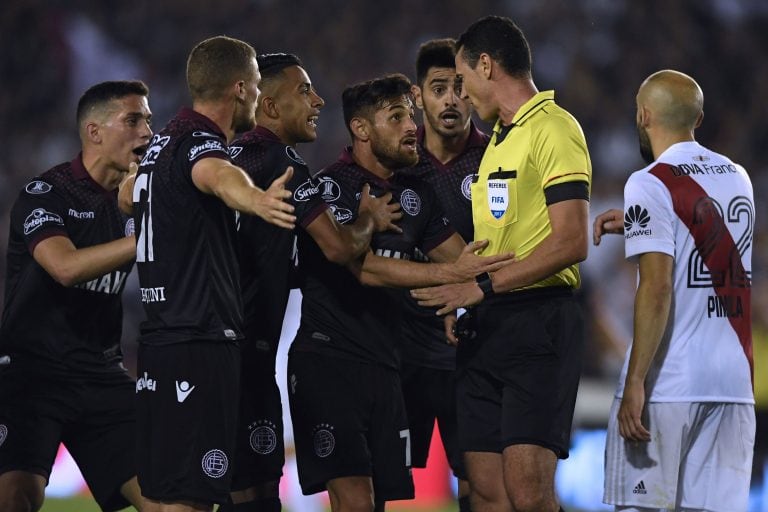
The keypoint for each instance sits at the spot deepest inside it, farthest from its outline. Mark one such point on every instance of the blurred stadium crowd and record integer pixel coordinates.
(594, 53)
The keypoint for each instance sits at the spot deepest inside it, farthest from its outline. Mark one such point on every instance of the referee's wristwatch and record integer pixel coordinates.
(486, 285)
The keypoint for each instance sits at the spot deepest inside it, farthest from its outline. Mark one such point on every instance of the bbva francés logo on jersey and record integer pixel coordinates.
(636, 220)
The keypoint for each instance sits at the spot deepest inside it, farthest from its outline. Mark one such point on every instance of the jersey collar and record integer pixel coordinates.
(80, 173)
(530, 107)
(188, 113)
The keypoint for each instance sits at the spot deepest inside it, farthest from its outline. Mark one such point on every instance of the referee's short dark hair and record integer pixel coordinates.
(436, 53)
(500, 38)
(365, 98)
(99, 95)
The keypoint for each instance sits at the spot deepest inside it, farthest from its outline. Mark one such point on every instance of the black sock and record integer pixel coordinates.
(464, 504)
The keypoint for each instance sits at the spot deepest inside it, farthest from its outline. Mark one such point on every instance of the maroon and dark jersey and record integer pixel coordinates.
(339, 316)
(65, 332)
(186, 241)
(423, 338)
(267, 252)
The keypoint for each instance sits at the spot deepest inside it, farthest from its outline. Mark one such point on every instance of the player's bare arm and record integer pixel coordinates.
(69, 266)
(652, 305)
(609, 222)
(232, 185)
(125, 190)
(566, 245)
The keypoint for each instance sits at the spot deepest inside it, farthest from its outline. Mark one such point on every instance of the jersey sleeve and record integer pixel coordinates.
(561, 152)
(307, 195)
(649, 216)
(39, 213)
(437, 228)
(200, 145)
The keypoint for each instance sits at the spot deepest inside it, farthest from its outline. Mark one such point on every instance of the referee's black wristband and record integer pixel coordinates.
(486, 285)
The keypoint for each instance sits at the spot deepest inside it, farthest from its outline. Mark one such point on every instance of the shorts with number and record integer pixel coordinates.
(699, 458)
(349, 420)
(260, 450)
(94, 419)
(430, 395)
(517, 380)
(187, 397)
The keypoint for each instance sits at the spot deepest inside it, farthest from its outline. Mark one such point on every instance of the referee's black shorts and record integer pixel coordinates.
(518, 378)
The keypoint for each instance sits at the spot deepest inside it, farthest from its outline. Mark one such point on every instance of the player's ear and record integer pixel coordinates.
(239, 89)
(268, 106)
(416, 92)
(91, 132)
(360, 128)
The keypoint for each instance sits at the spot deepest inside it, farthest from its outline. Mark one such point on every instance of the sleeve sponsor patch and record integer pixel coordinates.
(38, 187)
(40, 217)
(206, 147)
(328, 189)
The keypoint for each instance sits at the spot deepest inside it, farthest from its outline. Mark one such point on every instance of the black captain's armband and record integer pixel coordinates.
(565, 191)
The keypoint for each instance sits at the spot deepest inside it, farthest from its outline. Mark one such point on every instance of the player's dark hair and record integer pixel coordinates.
(437, 53)
(102, 93)
(270, 64)
(365, 98)
(215, 64)
(500, 38)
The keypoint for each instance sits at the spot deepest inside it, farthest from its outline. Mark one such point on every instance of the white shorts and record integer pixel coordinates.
(699, 457)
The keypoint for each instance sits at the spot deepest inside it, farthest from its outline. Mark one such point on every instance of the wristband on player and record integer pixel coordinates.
(486, 285)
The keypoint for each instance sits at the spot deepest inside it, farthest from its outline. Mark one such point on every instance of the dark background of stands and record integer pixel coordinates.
(594, 53)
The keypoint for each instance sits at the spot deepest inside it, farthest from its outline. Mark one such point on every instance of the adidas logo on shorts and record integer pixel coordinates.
(640, 488)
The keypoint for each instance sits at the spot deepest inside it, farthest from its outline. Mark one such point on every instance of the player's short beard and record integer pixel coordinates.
(392, 157)
(646, 151)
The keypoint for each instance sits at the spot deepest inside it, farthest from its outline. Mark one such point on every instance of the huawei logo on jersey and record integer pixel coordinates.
(636, 219)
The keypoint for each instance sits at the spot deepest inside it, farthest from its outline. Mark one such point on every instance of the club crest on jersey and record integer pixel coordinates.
(38, 217)
(263, 437)
(234, 151)
(38, 187)
(410, 202)
(466, 187)
(153, 151)
(293, 155)
(636, 220)
(130, 227)
(206, 147)
(324, 440)
(498, 197)
(215, 463)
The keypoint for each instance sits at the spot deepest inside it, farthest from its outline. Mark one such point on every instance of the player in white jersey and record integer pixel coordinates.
(682, 428)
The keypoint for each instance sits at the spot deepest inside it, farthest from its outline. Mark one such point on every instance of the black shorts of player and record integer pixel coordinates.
(187, 396)
(517, 380)
(95, 419)
(430, 395)
(349, 420)
(259, 452)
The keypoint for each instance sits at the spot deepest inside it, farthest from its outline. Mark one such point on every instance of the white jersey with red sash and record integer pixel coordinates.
(697, 206)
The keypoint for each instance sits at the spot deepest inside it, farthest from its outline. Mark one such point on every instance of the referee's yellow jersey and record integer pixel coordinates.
(545, 146)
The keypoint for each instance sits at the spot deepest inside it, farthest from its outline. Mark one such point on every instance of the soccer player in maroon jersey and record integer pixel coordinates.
(69, 252)
(450, 149)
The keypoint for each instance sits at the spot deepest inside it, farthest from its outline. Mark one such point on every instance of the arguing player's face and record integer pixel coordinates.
(299, 106)
(124, 132)
(245, 108)
(393, 134)
(475, 88)
(444, 109)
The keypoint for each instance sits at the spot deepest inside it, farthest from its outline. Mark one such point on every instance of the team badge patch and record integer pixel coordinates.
(130, 227)
(324, 440)
(410, 202)
(38, 187)
(498, 197)
(215, 463)
(263, 438)
(466, 187)
(3, 434)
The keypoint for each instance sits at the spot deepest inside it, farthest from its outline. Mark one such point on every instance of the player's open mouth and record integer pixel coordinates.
(410, 143)
(312, 121)
(140, 150)
(450, 117)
